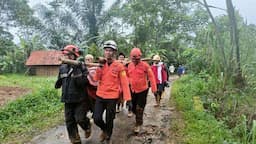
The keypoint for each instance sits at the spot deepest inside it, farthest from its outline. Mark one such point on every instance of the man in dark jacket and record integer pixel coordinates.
(73, 80)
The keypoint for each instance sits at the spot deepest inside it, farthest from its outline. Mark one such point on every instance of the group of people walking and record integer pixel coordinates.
(99, 89)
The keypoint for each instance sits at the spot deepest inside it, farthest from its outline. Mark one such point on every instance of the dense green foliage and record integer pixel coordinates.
(162, 27)
(218, 51)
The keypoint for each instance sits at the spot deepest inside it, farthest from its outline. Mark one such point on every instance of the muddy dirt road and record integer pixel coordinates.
(155, 129)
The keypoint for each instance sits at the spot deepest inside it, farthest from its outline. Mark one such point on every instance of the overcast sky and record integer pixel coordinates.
(246, 8)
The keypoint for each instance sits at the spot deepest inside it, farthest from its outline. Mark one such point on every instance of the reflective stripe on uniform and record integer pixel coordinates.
(75, 76)
(63, 75)
(123, 73)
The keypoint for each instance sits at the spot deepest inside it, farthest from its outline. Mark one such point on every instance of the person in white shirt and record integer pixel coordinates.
(171, 68)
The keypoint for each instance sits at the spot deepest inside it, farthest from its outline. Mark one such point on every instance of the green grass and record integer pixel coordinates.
(32, 82)
(200, 127)
(31, 114)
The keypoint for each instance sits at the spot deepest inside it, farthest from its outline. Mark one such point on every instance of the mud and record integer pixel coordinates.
(11, 93)
(155, 130)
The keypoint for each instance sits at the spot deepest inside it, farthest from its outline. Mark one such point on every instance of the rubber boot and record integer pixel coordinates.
(139, 119)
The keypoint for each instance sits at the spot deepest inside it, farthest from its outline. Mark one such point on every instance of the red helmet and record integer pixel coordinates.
(71, 49)
(135, 52)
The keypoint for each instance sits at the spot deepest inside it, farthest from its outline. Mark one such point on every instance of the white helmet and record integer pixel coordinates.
(110, 44)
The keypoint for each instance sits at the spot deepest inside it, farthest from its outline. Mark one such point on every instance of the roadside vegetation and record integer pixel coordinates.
(211, 115)
(216, 97)
(31, 114)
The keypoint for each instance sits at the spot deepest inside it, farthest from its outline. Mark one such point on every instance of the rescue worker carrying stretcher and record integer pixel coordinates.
(111, 76)
(138, 73)
(73, 80)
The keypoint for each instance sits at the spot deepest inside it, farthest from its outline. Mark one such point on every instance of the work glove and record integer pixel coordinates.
(58, 83)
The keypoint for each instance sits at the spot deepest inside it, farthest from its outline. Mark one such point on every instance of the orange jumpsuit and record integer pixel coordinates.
(139, 75)
(138, 78)
(110, 79)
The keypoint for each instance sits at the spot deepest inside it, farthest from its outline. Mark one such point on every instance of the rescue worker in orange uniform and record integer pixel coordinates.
(111, 76)
(72, 79)
(139, 72)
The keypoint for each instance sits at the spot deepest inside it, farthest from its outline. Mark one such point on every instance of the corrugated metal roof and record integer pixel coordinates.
(50, 57)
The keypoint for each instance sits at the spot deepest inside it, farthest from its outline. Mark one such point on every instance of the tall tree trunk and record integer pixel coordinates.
(235, 40)
(93, 24)
(219, 41)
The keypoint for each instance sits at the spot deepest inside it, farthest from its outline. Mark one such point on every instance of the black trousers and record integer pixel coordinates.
(110, 106)
(129, 105)
(139, 101)
(76, 113)
(160, 89)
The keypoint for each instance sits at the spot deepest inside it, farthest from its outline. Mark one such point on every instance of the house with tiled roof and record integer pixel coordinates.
(44, 63)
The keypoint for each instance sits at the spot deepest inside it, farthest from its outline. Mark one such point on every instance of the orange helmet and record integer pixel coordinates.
(135, 52)
(71, 49)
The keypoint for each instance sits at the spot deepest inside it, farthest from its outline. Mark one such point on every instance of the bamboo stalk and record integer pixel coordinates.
(75, 62)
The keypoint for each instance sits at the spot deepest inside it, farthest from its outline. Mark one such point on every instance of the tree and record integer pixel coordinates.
(89, 12)
(15, 14)
(71, 21)
(235, 41)
(163, 27)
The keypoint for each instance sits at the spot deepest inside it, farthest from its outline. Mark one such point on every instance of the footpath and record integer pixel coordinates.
(155, 130)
